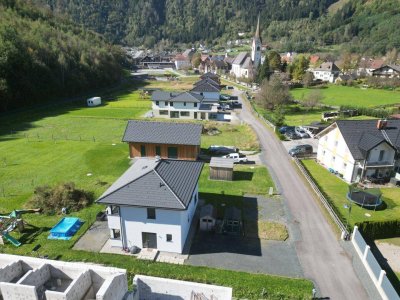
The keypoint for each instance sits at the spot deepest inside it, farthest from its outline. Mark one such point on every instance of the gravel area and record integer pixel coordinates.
(391, 253)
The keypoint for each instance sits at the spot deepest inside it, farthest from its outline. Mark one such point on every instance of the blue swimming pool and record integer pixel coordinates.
(65, 229)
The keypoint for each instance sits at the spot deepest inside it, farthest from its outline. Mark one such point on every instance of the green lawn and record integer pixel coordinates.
(337, 95)
(336, 189)
(68, 141)
(241, 136)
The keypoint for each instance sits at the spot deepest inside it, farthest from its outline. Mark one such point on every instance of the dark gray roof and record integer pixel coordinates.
(163, 133)
(163, 96)
(206, 87)
(187, 97)
(208, 211)
(166, 183)
(207, 80)
(327, 66)
(363, 135)
(209, 75)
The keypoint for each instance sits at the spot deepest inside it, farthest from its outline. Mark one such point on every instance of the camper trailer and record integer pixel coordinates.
(94, 101)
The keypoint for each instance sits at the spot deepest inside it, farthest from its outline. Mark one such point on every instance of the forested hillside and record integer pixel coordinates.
(292, 25)
(42, 57)
(148, 21)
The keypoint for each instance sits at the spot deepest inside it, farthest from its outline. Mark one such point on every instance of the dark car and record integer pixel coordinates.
(220, 150)
(301, 150)
(285, 129)
(292, 135)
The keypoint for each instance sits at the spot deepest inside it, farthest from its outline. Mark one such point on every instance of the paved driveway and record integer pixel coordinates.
(95, 238)
(322, 258)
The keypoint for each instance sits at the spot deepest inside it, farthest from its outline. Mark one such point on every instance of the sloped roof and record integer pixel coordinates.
(363, 135)
(239, 59)
(394, 67)
(208, 211)
(247, 63)
(187, 97)
(206, 80)
(328, 66)
(209, 75)
(166, 183)
(163, 133)
(163, 96)
(206, 87)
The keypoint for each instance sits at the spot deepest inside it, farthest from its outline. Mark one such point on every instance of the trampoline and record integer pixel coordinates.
(369, 198)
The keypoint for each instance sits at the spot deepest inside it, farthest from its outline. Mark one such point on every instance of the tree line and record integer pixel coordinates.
(42, 57)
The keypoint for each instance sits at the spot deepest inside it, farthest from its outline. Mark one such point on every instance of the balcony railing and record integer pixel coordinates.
(375, 164)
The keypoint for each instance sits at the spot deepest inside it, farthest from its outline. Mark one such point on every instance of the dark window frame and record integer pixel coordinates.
(151, 213)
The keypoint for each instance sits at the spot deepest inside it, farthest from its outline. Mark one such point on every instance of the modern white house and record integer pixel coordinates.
(153, 203)
(360, 149)
(327, 72)
(387, 71)
(209, 90)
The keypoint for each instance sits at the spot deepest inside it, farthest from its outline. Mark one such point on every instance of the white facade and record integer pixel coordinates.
(183, 110)
(240, 72)
(132, 222)
(327, 76)
(182, 64)
(334, 153)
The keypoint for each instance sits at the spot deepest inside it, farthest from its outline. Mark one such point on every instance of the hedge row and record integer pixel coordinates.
(367, 111)
(379, 230)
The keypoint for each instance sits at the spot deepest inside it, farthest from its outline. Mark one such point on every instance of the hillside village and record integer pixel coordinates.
(239, 174)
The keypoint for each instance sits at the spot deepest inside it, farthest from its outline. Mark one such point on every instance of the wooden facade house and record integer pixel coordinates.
(163, 139)
(221, 168)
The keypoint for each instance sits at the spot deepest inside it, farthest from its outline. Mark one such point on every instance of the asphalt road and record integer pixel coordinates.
(322, 258)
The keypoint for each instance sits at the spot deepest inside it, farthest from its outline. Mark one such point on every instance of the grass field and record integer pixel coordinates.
(66, 142)
(336, 189)
(337, 95)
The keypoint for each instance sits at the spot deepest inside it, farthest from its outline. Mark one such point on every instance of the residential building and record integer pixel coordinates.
(182, 62)
(327, 72)
(31, 278)
(245, 65)
(210, 75)
(186, 105)
(367, 65)
(360, 149)
(207, 89)
(153, 203)
(387, 71)
(163, 139)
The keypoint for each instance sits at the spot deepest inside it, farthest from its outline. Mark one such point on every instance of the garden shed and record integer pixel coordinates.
(208, 217)
(94, 101)
(232, 220)
(221, 168)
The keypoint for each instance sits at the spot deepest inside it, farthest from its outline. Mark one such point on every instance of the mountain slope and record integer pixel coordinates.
(42, 56)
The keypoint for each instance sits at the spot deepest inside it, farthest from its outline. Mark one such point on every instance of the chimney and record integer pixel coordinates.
(158, 158)
(381, 124)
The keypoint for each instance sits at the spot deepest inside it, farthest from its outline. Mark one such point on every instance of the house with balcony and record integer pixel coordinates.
(184, 105)
(152, 204)
(163, 139)
(387, 71)
(360, 150)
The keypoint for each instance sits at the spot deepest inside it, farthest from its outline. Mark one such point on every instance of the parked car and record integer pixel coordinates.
(237, 157)
(221, 150)
(301, 150)
(292, 135)
(228, 87)
(301, 132)
(285, 129)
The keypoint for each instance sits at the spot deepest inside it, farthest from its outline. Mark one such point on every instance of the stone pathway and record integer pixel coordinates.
(95, 238)
(148, 254)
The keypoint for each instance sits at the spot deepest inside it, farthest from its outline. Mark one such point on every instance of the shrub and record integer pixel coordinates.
(52, 200)
(380, 230)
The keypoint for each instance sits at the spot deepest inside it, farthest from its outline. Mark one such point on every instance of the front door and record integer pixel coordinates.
(149, 240)
(203, 116)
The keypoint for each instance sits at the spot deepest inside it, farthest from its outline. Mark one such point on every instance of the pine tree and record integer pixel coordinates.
(264, 70)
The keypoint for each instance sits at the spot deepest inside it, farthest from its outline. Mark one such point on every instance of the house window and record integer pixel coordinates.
(323, 153)
(169, 237)
(151, 213)
(195, 104)
(157, 102)
(336, 143)
(344, 165)
(158, 150)
(163, 112)
(326, 138)
(166, 103)
(333, 158)
(195, 115)
(185, 114)
(171, 104)
(174, 114)
(116, 234)
(142, 150)
(184, 103)
(381, 154)
(172, 152)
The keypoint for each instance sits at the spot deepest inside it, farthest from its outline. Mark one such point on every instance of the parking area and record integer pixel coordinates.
(242, 253)
(292, 143)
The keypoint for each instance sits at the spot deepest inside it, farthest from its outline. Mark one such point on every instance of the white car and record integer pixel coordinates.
(301, 132)
(237, 157)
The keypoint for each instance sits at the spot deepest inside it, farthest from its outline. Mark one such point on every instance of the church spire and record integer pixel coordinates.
(257, 35)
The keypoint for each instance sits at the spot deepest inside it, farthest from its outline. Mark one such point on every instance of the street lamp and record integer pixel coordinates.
(348, 207)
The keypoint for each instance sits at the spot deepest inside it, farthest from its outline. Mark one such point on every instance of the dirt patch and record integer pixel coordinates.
(392, 254)
(266, 230)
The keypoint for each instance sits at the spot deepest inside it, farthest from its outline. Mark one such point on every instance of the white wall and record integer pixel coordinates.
(387, 157)
(333, 153)
(373, 268)
(174, 222)
(211, 95)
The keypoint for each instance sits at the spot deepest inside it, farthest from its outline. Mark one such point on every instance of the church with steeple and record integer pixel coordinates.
(245, 65)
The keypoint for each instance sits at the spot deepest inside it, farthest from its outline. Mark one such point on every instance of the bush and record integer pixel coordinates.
(379, 230)
(371, 112)
(52, 200)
